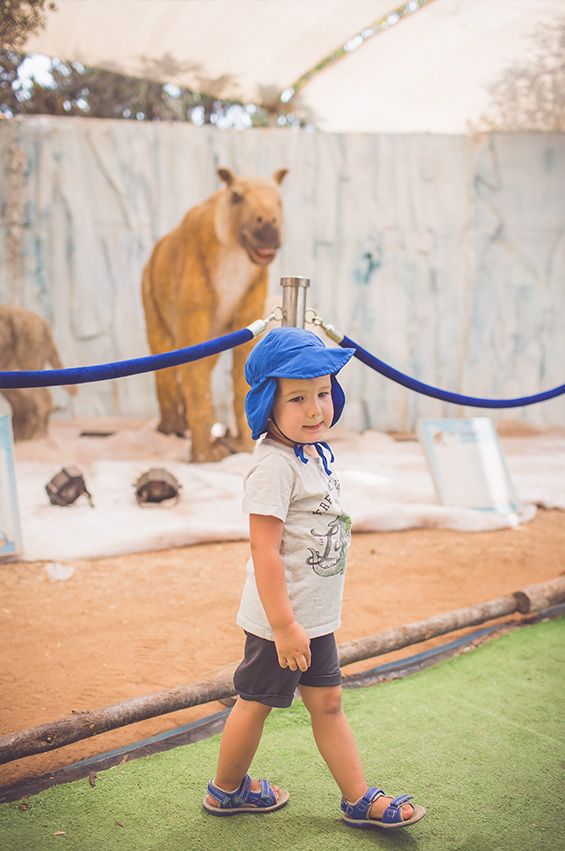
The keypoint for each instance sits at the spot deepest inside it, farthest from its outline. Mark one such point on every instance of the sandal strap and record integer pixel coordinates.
(227, 800)
(265, 797)
(393, 814)
(268, 796)
(360, 809)
(241, 794)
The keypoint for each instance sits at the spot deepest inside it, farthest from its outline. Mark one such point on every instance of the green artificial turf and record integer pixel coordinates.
(477, 739)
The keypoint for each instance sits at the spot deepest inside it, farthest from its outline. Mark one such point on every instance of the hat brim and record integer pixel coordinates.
(328, 362)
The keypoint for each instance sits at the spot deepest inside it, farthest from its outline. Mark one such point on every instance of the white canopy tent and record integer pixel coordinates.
(433, 71)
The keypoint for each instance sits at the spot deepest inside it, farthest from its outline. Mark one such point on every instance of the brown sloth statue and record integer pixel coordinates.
(26, 343)
(206, 278)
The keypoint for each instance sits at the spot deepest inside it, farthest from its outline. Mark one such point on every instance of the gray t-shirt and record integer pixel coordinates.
(315, 541)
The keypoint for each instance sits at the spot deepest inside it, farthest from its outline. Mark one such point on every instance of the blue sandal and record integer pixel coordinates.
(244, 800)
(357, 814)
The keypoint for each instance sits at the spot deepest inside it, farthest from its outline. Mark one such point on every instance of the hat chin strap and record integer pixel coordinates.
(299, 448)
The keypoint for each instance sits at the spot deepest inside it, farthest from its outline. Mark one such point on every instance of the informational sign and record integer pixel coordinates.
(10, 534)
(467, 464)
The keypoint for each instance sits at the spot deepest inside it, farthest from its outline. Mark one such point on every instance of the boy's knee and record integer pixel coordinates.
(253, 706)
(332, 704)
(324, 701)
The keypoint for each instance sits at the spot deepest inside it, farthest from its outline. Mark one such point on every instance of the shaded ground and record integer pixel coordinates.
(132, 625)
(475, 739)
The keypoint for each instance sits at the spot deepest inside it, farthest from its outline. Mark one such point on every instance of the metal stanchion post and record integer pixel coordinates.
(294, 301)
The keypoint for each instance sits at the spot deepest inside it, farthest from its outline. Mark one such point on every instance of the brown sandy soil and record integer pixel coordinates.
(136, 624)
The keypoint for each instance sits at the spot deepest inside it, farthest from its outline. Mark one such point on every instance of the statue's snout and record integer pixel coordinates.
(267, 236)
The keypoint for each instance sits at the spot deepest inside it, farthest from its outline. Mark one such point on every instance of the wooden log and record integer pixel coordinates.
(414, 633)
(535, 598)
(82, 725)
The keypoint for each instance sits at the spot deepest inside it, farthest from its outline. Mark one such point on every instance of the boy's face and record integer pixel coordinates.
(303, 408)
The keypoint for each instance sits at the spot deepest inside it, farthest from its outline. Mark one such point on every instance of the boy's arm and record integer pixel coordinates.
(291, 641)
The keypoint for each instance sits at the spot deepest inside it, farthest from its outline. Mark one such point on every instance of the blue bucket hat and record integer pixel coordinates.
(291, 353)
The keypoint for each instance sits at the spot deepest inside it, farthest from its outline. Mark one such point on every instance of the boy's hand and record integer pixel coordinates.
(293, 647)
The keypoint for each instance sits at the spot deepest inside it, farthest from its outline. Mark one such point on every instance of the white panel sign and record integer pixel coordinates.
(467, 464)
(10, 534)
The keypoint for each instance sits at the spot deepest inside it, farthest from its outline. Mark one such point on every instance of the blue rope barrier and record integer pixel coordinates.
(101, 372)
(447, 396)
(119, 369)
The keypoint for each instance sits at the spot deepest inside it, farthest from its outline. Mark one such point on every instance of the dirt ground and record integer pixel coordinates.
(132, 625)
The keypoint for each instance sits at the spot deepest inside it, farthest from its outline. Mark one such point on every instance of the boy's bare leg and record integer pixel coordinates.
(240, 740)
(336, 743)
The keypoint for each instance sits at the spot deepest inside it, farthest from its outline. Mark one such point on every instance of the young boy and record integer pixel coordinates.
(291, 601)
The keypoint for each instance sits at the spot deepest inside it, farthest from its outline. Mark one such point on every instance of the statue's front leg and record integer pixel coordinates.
(243, 441)
(199, 407)
(251, 309)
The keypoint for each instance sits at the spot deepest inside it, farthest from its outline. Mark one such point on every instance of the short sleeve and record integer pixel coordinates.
(268, 487)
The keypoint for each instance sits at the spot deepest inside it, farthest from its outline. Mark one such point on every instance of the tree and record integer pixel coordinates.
(19, 19)
(76, 89)
(530, 95)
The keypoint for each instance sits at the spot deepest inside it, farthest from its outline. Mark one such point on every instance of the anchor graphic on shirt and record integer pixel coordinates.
(337, 538)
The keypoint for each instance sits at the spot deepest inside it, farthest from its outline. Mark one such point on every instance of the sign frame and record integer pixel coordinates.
(467, 464)
(10, 528)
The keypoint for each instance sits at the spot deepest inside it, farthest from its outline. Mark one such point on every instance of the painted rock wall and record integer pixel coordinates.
(443, 255)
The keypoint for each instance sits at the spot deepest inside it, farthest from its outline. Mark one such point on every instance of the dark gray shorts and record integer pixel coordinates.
(260, 677)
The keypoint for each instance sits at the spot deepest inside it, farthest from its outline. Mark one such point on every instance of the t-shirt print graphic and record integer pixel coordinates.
(335, 541)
